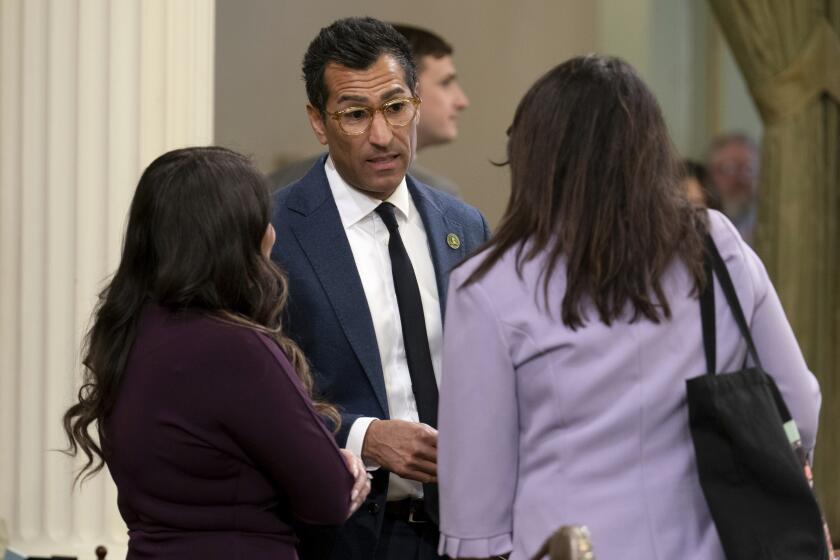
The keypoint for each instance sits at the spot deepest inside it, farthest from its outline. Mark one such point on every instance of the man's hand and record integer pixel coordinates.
(361, 485)
(408, 449)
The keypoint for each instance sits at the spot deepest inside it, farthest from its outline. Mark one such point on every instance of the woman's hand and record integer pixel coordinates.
(361, 486)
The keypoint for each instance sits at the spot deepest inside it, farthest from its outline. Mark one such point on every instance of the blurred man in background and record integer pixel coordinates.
(733, 164)
(443, 98)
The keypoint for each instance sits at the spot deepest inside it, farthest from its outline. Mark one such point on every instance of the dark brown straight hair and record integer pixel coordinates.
(594, 182)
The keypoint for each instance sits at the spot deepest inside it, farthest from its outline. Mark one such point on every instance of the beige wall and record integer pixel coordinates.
(501, 47)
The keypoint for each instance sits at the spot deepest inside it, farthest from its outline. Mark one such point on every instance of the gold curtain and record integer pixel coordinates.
(789, 53)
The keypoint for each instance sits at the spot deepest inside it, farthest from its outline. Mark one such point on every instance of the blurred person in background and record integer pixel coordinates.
(443, 98)
(202, 405)
(733, 164)
(570, 337)
(698, 186)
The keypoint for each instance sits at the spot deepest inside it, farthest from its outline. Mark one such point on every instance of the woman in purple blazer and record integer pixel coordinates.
(569, 339)
(202, 404)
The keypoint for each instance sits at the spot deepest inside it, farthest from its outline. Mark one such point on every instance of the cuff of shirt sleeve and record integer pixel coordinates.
(456, 547)
(356, 438)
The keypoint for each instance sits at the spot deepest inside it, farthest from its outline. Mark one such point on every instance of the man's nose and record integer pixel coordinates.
(380, 133)
(461, 99)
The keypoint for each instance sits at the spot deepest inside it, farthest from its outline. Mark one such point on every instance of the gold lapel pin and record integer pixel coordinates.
(453, 241)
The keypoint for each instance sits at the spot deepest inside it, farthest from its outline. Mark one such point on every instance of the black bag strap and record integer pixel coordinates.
(728, 288)
(707, 315)
(714, 262)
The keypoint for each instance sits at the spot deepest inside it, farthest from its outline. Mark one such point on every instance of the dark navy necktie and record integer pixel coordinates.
(413, 321)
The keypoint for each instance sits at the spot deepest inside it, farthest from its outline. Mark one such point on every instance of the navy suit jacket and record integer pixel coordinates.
(328, 315)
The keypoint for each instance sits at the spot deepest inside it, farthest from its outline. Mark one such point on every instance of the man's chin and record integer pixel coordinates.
(379, 188)
(437, 138)
(387, 176)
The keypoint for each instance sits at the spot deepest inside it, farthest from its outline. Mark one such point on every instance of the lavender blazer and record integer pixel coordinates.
(542, 426)
(214, 446)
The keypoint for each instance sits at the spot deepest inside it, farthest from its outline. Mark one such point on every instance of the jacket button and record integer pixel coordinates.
(373, 507)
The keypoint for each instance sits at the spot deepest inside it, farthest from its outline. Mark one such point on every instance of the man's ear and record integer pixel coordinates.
(316, 121)
(416, 93)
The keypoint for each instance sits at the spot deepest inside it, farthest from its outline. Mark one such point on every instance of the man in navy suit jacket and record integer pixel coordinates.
(336, 246)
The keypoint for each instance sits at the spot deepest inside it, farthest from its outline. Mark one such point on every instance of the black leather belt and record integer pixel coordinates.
(409, 510)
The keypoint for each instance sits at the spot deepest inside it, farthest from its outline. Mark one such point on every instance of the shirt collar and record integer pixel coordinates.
(354, 205)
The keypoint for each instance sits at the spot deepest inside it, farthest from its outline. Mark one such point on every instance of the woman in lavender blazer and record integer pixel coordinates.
(202, 405)
(569, 339)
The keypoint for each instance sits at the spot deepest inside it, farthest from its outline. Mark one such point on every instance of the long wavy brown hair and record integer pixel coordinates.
(594, 182)
(193, 242)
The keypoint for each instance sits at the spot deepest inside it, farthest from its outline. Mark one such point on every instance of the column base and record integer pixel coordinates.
(80, 550)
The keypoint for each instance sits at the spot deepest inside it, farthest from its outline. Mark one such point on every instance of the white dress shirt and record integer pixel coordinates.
(368, 239)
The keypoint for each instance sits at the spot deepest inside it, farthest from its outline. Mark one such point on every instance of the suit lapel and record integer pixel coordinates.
(439, 227)
(322, 238)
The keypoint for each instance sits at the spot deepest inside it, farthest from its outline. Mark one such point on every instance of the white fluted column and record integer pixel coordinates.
(90, 92)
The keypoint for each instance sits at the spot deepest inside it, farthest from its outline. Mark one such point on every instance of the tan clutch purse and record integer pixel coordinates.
(569, 542)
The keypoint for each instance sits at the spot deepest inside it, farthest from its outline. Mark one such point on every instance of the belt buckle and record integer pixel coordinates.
(412, 509)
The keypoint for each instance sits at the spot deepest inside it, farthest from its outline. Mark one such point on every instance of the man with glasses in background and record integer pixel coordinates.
(368, 250)
(733, 165)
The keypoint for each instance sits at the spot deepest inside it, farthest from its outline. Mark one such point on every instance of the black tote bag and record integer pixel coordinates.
(753, 481)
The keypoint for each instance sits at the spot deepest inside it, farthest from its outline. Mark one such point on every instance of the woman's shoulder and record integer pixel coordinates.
(506, 290)
(725, 235)
(743, 264)
(504, 269)
(513, 274)
(203, 336)
(249, 344)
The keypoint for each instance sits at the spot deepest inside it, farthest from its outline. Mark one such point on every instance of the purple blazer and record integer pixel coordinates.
(542, 426)
(214, 447)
